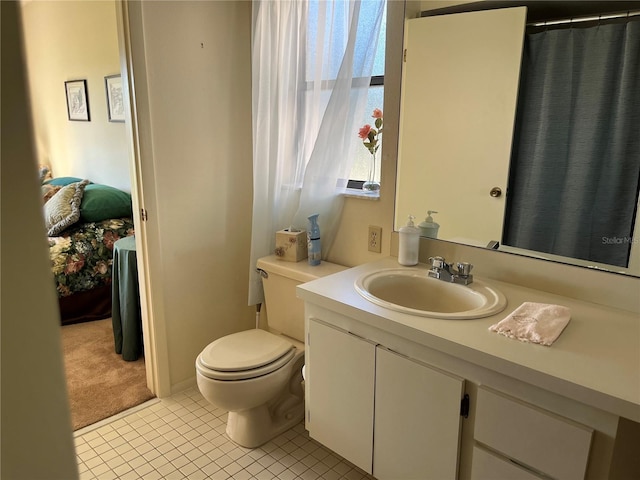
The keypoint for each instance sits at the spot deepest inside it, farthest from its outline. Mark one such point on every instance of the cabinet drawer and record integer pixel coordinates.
(540, 439)
(489, 466)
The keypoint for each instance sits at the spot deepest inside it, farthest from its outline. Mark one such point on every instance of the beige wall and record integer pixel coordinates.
(192, 70)
(36, 434)
(72, 40)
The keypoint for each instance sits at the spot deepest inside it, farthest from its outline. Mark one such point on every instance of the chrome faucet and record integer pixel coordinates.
(444, 271)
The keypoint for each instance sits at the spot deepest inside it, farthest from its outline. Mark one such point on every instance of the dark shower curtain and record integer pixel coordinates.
(575, 167)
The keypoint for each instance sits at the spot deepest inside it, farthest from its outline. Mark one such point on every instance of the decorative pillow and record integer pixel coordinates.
(64, 181)
(63, 209)
(49, 191)
(101, 202)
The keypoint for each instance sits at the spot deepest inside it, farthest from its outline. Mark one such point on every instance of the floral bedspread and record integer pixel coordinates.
(82, 257)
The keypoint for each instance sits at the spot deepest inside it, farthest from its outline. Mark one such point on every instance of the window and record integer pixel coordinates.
(374, 100)
(335, 37)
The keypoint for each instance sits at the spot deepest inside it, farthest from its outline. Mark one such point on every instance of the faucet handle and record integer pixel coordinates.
(437, 262)
(464, 268)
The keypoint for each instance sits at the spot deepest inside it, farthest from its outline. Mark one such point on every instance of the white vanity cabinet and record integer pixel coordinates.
(393, 408)
(383, 389)
(390, 415)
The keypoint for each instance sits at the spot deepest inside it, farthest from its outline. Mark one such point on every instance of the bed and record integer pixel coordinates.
(83, 221)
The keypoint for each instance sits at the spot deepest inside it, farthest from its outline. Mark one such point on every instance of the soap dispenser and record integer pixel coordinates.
(313, 239)
(409, 243)
(429, 228)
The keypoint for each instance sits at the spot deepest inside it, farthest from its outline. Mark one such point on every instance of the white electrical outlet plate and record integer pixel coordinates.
(374, 239)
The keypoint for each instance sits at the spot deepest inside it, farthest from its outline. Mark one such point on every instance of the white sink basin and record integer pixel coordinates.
(412, 291)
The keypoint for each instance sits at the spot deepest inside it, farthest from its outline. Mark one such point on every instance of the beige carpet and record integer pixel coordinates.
(99, 382)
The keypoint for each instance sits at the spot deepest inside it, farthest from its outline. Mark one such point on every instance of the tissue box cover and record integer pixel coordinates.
(291, 245)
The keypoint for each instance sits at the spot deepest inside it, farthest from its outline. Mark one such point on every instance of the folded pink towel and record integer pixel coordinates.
(534, 322)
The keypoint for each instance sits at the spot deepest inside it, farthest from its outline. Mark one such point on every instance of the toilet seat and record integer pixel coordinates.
(244, 355)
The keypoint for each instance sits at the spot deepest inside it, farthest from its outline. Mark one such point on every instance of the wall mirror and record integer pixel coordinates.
(468, 151)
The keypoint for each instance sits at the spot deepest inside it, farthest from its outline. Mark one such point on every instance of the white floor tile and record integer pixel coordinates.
(183, 437)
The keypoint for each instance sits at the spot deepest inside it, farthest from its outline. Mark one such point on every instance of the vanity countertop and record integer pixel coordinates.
(596, 359)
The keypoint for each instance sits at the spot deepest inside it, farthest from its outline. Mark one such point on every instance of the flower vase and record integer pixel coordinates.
(371, 185)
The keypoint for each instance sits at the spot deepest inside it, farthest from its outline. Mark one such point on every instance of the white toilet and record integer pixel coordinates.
(256, 375)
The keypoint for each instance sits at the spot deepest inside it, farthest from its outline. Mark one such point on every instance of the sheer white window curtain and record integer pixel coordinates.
(312, 63)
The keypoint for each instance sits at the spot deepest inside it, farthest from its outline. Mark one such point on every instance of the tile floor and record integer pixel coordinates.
(183, 437)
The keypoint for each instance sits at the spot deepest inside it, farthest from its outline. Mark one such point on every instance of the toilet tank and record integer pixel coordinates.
(285, 312)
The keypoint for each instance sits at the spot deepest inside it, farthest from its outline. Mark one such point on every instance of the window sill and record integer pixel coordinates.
(358, 193)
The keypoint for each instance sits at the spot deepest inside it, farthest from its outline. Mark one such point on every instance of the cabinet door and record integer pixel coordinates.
(339, 377)
(417, 420)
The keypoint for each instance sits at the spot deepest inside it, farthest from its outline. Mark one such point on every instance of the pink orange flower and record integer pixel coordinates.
(364, 131)
(371, 136)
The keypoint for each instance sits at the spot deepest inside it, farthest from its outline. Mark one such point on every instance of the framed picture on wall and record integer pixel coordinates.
(115, 101)
(77, 100)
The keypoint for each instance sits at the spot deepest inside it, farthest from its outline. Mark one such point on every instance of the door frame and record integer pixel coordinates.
(129, 18)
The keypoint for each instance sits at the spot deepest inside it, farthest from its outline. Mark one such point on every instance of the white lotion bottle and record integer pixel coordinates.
(409, 244)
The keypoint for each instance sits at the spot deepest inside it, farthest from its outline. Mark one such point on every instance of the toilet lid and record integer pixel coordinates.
(244, 351)
(245, 374)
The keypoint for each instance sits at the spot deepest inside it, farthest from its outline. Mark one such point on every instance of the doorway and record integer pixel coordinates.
(97, 149)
